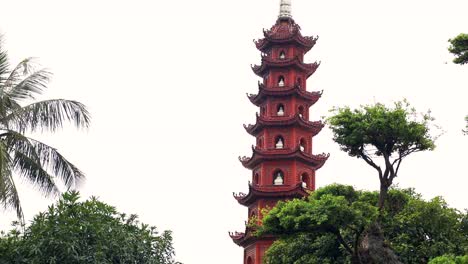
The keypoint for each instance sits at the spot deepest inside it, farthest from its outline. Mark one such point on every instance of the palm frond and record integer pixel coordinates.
(34, 173)
(8, 193)
(58, 165)
(22, 70)
(27, 163)
(25, 85)
(48, 115)
(3, 64)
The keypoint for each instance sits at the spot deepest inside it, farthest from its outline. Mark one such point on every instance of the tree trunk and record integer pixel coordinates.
(374, 249)
(382, 195)
(356, 259)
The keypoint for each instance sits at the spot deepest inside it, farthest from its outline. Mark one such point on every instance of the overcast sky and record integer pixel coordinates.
(165, 82)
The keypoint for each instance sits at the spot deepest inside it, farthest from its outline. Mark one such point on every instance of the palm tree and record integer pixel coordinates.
(20, 155)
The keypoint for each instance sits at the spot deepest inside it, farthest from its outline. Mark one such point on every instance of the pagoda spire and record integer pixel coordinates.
(285, 9)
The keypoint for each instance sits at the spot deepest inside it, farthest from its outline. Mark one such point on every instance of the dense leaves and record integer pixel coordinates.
(329, 225)
(76, 232)
(459, 47)
(450, 259)
(20, 155)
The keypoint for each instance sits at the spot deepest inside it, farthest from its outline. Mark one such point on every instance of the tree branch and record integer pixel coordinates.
(342, 241)
(369, 161)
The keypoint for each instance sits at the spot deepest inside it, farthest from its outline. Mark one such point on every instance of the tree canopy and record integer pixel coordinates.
(459, 47)
(328, 227)
(20, 115)
(76, 232)
(375, 132)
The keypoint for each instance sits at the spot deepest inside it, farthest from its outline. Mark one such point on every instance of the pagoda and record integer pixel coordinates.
(282, 164)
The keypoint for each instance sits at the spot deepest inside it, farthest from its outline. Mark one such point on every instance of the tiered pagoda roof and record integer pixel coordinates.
(283, 192)
(243, 239)
(268, 63)
(262, 155)
(257, 192)
(296, 90)
(286, 121)
(285, 33)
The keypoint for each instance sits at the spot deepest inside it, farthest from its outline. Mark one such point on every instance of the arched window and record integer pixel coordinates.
(302, 145)
(256, 179)
(279, 142)
(305, 180)
(278, 178)
(280, 110)
(300, 111)
(282, 55)
(249, 260)
(281, 81)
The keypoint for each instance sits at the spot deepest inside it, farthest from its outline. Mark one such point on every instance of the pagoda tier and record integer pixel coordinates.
(287, 63)
(283, 192)
(263, 155)
(284, 34)
(284, 121)
(246, 238)
(296, 90)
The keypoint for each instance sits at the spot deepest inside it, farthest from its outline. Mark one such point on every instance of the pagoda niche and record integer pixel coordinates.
(282, 164)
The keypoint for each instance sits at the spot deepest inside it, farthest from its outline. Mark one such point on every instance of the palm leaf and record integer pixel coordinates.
(3, 64)
(17, 87)
(8, 193)
(32, 171)
(48, 115)
(51, 160)
(29, 154)
(21, 71)
(27, 163)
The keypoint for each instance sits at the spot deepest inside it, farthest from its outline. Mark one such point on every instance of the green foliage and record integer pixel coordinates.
(450, 259)
(20, 155)
(335, 211)
(430, 228)
(378, 132)
(306, 249)
(459, 47)
(76, 232)
(328, 226)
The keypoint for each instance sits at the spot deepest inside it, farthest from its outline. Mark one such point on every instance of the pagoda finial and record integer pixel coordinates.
(285, 9)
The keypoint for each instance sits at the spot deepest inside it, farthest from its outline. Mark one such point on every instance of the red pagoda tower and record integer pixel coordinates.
(283, 166)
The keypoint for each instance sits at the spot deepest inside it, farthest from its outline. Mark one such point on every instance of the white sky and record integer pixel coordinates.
(166, 82)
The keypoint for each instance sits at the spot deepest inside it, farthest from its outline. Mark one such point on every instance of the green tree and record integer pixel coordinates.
(76, 232)
(20, 155)
(327, 227)
(383, 137)
(333, 218)
(450, 259)
(378, 132)
(459, 47)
